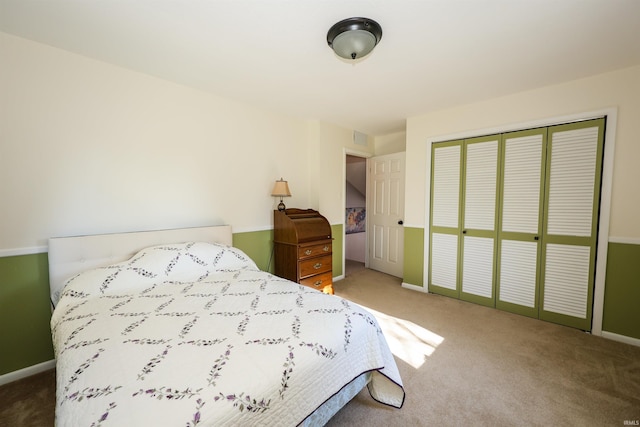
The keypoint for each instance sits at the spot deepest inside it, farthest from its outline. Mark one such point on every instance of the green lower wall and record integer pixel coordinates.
(25, 338)
(622, 290)
(25, 309)
(258, 245)
(337, 234)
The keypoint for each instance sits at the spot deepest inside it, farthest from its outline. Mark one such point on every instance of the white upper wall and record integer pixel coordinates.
(392, 143)
(87, 147)
(619, 89)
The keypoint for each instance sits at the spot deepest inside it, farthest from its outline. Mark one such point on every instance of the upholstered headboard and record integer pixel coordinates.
(69, 256)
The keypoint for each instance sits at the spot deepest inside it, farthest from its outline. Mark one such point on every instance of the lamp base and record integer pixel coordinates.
(281, 206)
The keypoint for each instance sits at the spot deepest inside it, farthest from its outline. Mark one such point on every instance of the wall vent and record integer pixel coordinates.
(359, 138)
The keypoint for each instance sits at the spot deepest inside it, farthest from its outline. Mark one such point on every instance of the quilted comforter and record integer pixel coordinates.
(195, 334)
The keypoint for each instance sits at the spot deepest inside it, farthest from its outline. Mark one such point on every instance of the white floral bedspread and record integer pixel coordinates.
(194, 334)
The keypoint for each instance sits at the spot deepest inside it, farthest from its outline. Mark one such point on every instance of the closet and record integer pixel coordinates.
(513, 221)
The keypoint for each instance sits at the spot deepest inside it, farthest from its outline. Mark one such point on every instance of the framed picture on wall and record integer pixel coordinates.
(355, 220)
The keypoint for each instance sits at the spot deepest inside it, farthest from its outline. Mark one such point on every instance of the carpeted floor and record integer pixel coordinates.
(29, 402)
(461, 364)
(464, 364)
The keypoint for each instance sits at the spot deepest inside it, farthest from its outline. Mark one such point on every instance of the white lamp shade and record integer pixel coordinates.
(354, 44)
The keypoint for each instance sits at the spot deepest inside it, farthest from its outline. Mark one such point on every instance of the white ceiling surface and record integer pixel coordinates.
(273, 54)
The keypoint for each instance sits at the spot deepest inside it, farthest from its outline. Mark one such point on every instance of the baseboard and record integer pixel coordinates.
(621, 338)
(414, 287)
(27, 372)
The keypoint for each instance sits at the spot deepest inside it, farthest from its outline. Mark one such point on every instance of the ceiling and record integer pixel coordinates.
(273, 54)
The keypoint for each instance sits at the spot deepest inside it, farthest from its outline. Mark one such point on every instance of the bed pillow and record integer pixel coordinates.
(178, 262)
(189, 261)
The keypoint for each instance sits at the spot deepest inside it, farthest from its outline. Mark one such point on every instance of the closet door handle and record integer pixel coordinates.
(536, 238)
(464, 231)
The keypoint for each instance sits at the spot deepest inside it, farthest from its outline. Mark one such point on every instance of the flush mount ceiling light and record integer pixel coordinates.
(354, 38)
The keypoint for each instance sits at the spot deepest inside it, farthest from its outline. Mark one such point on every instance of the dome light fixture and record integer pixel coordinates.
(354, 38)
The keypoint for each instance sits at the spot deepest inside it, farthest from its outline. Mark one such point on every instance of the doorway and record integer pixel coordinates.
(355, 213)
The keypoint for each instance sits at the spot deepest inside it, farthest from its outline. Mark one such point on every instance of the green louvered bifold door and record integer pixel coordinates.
(522, 196)
(479, 230)
(445, 221)
(574, 167)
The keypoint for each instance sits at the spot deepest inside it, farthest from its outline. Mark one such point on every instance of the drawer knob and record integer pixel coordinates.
(318, 283)
(326, 248)
(308, 252)
(317, 266)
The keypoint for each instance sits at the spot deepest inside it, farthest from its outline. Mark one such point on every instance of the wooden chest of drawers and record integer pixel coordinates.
(302, 248)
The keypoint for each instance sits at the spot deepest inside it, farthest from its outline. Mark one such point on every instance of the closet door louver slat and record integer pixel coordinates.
(444, 260)
(518, 273)
(477, 273)
(446, 186)
(566, 280)
(521, 193)
(480, 185)
(572, 177)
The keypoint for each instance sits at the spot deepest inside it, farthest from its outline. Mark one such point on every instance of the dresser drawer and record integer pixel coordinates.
(314, 250)
(312, 266)
(319, 282)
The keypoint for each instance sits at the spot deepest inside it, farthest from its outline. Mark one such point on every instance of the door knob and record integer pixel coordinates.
(400, 222)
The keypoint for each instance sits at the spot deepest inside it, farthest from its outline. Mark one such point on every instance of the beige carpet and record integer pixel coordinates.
(29, 402)
(461, 364)
(472, 365)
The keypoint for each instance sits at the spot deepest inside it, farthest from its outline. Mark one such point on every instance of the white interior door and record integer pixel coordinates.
(385, 213)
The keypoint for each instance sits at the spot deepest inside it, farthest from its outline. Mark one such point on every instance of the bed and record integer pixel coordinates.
(177, 327)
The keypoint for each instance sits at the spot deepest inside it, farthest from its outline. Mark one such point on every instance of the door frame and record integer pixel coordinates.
(604, 215)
